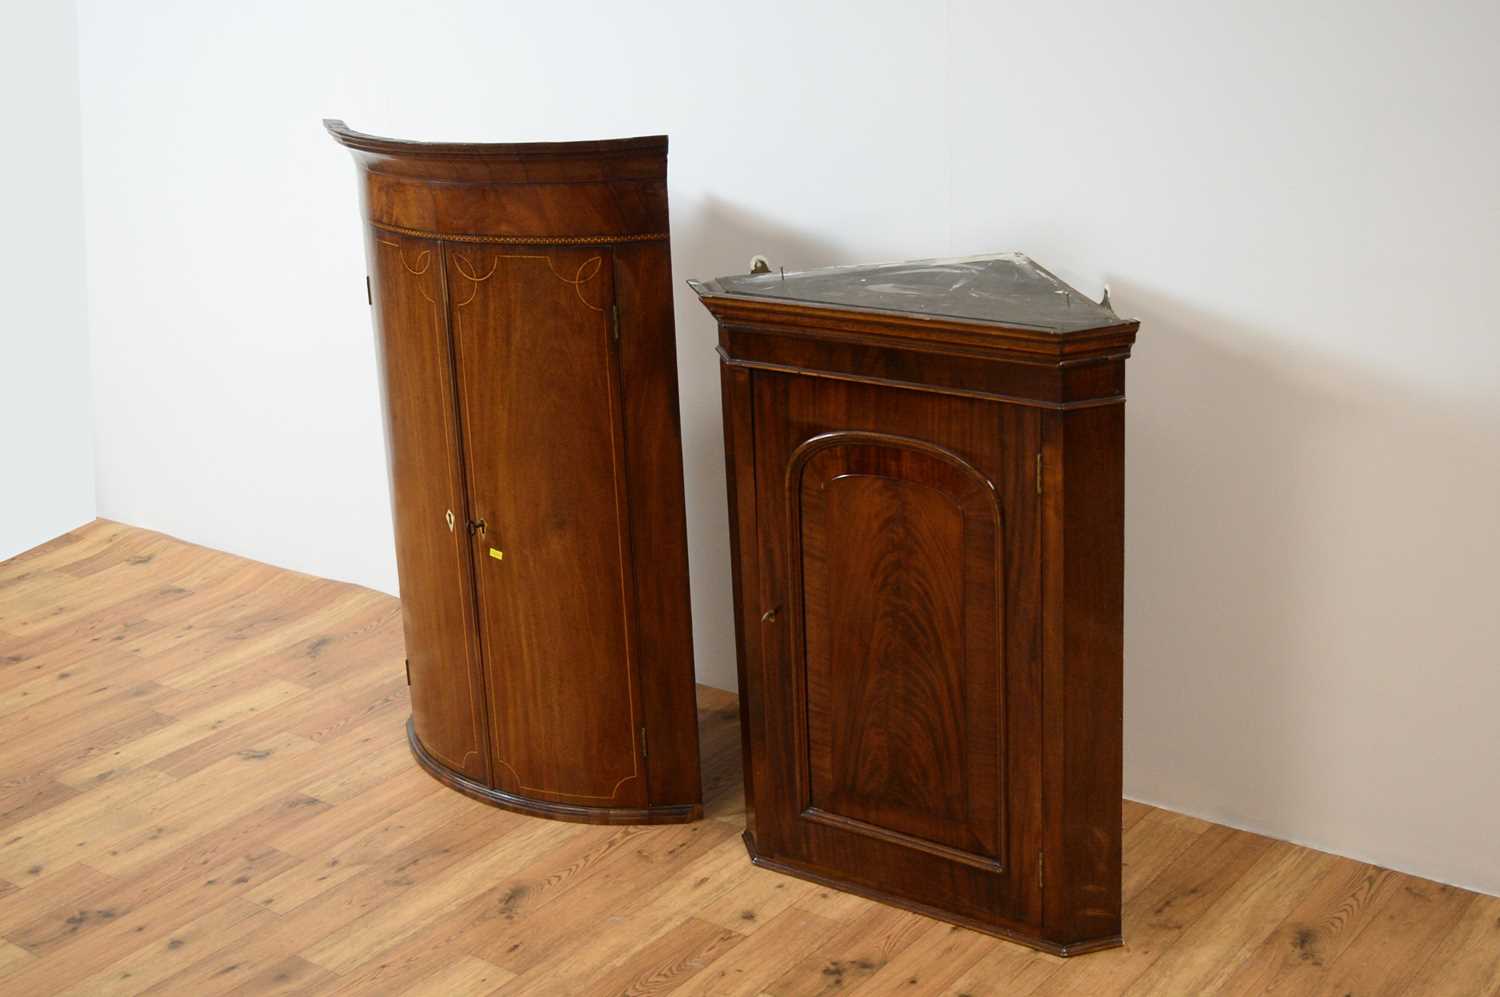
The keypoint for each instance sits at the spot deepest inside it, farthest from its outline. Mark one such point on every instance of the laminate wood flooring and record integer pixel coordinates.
(205, 789)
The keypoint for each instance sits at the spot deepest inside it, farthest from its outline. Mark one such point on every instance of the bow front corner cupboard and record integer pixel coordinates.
(523, 315)
(926, 490)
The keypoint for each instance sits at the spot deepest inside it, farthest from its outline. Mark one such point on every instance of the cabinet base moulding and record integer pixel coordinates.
(680, 814)
(1009, 935)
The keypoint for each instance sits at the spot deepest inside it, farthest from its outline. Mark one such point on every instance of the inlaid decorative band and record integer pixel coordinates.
(525, 240)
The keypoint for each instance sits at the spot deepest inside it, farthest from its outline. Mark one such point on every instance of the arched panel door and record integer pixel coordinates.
(432, 547)
(539, 389)
(899, 679)
(901, 606)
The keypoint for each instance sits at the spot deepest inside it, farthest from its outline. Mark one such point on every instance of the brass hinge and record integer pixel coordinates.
(643, 743)
(1041, 877)
(614, 317)
(1039, 474)
(369, 297)
(408, 671)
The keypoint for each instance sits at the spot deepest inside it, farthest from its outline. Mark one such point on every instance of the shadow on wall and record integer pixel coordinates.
(711, 238)
(1308, 550)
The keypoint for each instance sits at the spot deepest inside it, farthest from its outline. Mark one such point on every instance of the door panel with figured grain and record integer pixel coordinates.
(432, 549)
(901, 608)
(551, 542)
(897, 539)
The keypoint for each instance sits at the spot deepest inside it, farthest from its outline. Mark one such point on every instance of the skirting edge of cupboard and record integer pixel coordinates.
(674, 814)
(1016, 935)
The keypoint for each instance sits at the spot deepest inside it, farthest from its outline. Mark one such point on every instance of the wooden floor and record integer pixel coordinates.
(207, 790)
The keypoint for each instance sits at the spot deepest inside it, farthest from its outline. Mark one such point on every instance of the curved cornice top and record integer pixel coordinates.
(402, 148)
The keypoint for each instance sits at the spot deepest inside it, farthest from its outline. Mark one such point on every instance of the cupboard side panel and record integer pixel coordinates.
(768, 674)
(739, 473)
(1084, 527)
(658, 520)
(422, 444)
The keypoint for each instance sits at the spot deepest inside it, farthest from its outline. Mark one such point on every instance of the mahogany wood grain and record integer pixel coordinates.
(927, 522)
(448, 698)
(539, 447)
(536, 193)
(530, 381)
(658, 516)
(262, 886)
(739, 474)
(903, 703)
(1083, 629)
(975, 852)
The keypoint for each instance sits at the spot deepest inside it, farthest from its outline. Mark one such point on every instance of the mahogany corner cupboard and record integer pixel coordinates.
(523, 314)
(926, 494)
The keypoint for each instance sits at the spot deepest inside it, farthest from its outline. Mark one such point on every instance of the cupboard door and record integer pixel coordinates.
(899, 674)
(432, 550)
(540, 398)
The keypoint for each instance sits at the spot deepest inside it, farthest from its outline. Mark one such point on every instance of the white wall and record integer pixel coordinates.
(1301, 202)
(1298, 200)
(46, 432)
